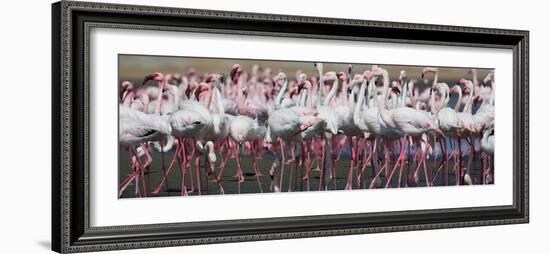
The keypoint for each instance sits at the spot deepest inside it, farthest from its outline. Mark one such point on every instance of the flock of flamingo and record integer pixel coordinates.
(403, 136)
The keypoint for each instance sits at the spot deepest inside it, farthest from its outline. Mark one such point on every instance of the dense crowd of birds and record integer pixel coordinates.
(304, 120)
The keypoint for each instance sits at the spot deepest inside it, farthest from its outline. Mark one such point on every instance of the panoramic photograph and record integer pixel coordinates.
(191, 126)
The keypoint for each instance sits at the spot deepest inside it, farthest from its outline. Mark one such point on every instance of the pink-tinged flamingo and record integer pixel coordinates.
(284, 124)
(136, 128)
(193, 120)
(466, 130)
(368, 121)
(404, 121)
(448, 122)
(312, 125)
(331, 121)
(378, 119)
(159, 77)
(347, 125)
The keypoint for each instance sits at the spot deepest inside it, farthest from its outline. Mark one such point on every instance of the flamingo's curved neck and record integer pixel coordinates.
(145, 100)
(344, 93)
(436, 77)
(360, 98)
(411, 89)
(474, 78)
(457, 105)
(404, 94)
(208, 99)
(332, 92)
(371, 93)
(384, 113)
(432, 102)
(320, 85)
(174, 91)
(352, 101)
(127, 99)
(279, 98)
(303, 97)
(468, 106)
(309, 101)
(159, 97)
(219, 101)
(443, 101)
(240, 94)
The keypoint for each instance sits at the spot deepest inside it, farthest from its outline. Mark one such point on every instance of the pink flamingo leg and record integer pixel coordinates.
(197, 171)
(240, 177)
(291, 159)
(397, 163)
(188, 159)
(382, 169)
(257, 172)
(163, 168)
(257, 152)
(281, 143)
(460, 177)
(403, 159)
(224, 163)
(443, 159)
(308, 164)
(428, 184)
(420, 153)
(135, 166)
(139, 173)
(212, 169)
(360, 180)
(411, 178)
(179, 147)
(167, 173)
(456, 164)
(333, 161)
(322, 185)
(183, 168)
(352, 162)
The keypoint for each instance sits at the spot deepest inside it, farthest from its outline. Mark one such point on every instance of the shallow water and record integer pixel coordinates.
(291, 176)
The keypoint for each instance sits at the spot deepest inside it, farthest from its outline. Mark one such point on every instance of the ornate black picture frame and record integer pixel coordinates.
(71, 22)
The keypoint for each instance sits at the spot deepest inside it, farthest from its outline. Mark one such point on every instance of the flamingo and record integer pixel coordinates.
(330, 118)
(404, 121)
(448, 121)
(383, 124)
(466, 130)
(136, 128)
(193, 120)
(347, 125)
(127, 96)
(312, 125)
(284, 123)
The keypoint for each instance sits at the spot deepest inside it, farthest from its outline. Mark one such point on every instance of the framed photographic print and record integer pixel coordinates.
(181, 126)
